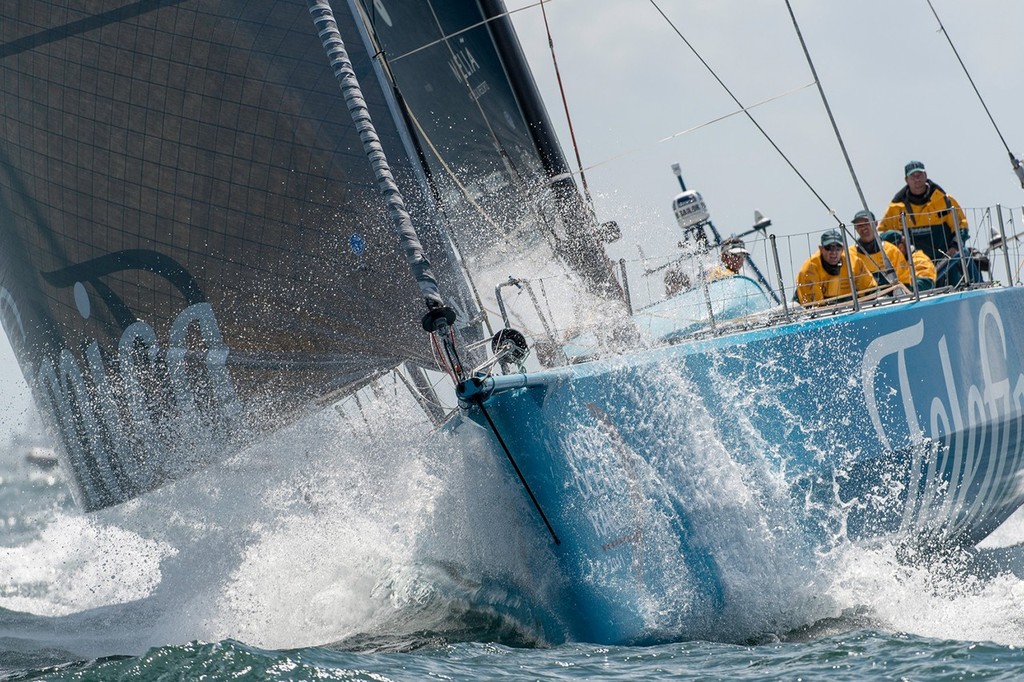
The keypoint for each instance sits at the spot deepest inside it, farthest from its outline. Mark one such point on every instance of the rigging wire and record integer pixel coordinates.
(828, 109)
(745, 111)
(697, 127)
(446, 353)
(385, 64)
(1017, 168)
(583, 169)
(890, 271)
(510, 167)
(449, 36)
(468, 196)
(565, 105)
(522, 479)
(450, 172)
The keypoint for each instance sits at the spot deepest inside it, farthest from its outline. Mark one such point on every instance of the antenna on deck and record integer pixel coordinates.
(692, 213)
(679, 176)
(693, 216)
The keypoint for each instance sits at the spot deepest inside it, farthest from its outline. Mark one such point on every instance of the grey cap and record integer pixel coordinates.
(914, 167)
(831, 237)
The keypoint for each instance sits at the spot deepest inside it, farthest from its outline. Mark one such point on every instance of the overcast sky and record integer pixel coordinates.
(892, 80)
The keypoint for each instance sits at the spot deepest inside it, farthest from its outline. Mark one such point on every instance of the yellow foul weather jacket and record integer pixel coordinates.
(874, 262)
(932, 219)
(815, 286)
(924, 268)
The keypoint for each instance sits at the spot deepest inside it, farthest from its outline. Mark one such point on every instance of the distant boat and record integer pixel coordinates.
(42, 457)
(197, 254)
(30, 445)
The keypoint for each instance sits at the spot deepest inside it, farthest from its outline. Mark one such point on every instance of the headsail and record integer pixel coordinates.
(482, 132)
(193, 247)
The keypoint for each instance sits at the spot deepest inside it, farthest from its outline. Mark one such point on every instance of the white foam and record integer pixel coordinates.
(325, 530)
(78, 563)
(947, 600)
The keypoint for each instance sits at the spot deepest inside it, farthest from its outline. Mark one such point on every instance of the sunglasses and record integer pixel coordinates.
(834, 247)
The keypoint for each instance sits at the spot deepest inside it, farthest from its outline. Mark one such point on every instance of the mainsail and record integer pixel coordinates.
(193, 248)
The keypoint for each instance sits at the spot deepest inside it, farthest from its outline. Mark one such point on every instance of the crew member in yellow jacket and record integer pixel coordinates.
(825, 276)
(871, 250)
(733, 254)
(932, 215)
(924, 268)
(933, 219)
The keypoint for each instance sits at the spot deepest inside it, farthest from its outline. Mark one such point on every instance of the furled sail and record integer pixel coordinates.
(192, 245)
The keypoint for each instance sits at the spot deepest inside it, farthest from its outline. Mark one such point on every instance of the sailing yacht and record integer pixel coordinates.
(211, 211)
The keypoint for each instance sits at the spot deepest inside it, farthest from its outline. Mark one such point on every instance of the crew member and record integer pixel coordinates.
(871, 250)
(933, 219)
(825, 277)
(924, 268)
(734, 255)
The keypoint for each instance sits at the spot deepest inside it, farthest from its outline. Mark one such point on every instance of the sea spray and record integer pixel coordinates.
(376, 534)
(967, 595)
(76, 564)
(396, 533)
(333, 529)
(862, 587)
(157, 569)
(738, 510)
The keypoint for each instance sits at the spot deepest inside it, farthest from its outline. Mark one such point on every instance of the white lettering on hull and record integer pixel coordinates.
(971, 421)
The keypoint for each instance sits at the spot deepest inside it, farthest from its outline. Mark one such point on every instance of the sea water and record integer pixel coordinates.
(359, 549)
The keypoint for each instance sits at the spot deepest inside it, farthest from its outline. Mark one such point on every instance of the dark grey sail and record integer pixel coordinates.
(192, 247)
(482, 132)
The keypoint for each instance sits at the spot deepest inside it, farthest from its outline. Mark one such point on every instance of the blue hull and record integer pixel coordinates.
(663, 471)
